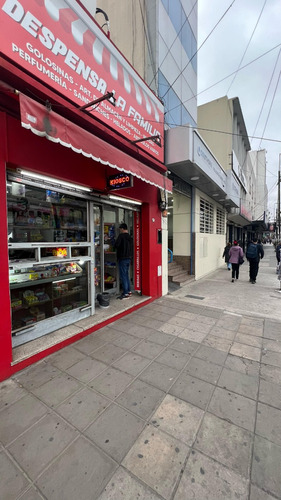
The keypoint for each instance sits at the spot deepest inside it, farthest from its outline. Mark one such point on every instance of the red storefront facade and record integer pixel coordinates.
(56, 160)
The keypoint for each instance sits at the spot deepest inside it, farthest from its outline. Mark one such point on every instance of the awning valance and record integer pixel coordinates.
(46, 123)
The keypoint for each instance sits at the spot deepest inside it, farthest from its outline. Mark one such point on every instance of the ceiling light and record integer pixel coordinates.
(216, 194)
(53, 181)
(194, 178)
(125, 200)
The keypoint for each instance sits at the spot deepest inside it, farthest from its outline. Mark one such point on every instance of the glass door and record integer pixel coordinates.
(106, 220)
(110, 279)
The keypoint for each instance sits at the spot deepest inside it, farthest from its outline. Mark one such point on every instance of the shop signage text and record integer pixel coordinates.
(208, 164)
(137, 252)
(119, 181)
(60, 44)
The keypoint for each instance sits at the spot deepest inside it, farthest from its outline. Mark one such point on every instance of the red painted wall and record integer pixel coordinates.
(5, 329)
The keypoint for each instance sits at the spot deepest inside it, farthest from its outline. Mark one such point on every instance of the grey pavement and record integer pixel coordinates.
(178, 400)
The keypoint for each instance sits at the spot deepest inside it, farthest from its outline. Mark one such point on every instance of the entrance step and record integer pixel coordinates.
(178, 275)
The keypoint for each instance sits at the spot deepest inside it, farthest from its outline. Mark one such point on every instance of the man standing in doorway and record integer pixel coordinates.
(124, 247)
(254, 253)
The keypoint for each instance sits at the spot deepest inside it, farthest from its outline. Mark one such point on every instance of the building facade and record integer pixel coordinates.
(71, 172)
(221, 124)
(159, 38)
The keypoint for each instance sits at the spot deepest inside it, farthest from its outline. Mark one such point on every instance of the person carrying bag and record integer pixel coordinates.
(235, 258)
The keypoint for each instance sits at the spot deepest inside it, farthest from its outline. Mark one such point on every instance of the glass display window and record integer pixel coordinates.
(50, 260)
(41, 215)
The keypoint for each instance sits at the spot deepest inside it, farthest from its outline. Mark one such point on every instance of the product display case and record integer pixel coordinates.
(37, 215)
(49, 260)
(41, 292)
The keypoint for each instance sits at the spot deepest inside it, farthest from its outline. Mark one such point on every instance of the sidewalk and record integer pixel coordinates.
(179, 400)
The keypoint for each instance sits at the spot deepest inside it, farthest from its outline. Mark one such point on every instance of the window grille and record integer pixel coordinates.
(220, 225)
(206, 217)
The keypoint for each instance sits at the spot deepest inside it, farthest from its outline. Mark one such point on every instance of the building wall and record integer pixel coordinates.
(159, 39)
(215, 125)
(181, 224)
(208, 246)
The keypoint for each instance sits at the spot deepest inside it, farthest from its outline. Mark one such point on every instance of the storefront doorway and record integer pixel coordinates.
(106, 229)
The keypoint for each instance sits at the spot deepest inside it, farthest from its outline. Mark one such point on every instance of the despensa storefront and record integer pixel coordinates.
(80, 152)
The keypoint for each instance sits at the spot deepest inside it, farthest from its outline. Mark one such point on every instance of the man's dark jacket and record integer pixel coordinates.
(124, 246)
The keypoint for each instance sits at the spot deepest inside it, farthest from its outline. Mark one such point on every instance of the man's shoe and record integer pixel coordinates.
(232, 281)
(121, 297)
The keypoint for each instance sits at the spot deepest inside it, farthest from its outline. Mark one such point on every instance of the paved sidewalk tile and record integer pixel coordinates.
(192, 390)
(178, 418)
(123, 486)
(270, 393)
(228, 444)
(246, 385)
(157, 459)
(108, 431)
(111, 382)
(233, 408)
(205, 370)
(19, 416)
(141, 398)
(82, 408)
(204, 478)
(245, 351)
(258, 494)
(159, 375)
(12, 481)
(269, 423)
(57, 390)
(242, 365)
(266, 466)
(41, 444)
(10, 391)
(81, 472)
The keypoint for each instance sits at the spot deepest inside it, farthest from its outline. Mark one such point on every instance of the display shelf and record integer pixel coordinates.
(36, 282)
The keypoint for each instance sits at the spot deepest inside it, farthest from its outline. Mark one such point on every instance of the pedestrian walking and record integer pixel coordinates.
(235, 258)
(254, 253)
(277, 251)
(124, 247)
(225, 255)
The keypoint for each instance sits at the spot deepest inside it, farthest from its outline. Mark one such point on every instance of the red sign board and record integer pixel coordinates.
(60, 44)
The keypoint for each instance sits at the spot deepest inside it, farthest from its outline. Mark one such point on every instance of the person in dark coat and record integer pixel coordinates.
(225, 255)
(124, 247)
(254, 253)
(235, 254)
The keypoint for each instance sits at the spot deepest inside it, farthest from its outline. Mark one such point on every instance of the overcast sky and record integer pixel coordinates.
(249, 29)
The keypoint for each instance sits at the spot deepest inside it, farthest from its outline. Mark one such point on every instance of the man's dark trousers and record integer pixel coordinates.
(254, 267)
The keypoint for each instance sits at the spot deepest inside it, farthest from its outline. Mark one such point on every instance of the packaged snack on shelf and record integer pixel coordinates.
(30, 298)
(28, 320)
(16, 304)
(41, 295)
(66, 308)
(60, 252)
(39, 315)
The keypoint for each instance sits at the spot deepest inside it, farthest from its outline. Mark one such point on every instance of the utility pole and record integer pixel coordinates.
(278, 201)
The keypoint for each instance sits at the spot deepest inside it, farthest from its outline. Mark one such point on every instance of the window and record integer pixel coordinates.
(206, 217)
(220, 225)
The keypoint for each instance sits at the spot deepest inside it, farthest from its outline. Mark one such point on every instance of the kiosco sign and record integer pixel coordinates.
(119, 181)
(58, 42)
